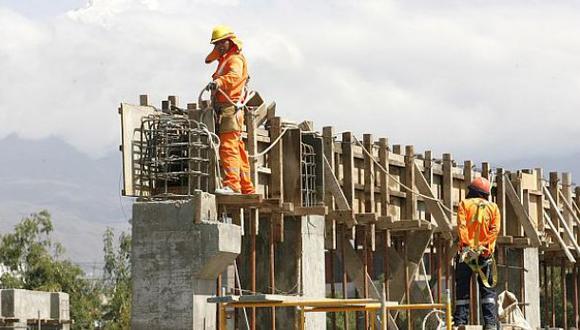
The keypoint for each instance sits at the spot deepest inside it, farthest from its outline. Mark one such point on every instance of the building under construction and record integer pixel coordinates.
(344, 232)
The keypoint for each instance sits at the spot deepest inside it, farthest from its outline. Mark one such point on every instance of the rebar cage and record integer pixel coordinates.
(308, 174)
(172, 156)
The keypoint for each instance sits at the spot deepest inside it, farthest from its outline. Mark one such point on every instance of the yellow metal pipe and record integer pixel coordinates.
(302, 318)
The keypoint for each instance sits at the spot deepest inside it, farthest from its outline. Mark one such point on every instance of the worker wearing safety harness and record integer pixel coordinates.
(228, 91)
(478, 222)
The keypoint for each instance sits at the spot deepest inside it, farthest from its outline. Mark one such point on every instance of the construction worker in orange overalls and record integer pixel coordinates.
(478, 223)
(229, 89)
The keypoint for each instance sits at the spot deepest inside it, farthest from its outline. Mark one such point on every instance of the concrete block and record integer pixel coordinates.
(175, 263)
(25, 304)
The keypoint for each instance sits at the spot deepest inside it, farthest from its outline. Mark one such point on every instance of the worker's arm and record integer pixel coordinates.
(462, 225)
(232, 75)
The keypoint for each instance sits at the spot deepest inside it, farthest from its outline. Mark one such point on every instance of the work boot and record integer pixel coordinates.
(226, 191)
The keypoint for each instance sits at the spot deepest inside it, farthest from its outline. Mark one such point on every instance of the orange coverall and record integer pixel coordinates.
(467, 224)
(231, 76)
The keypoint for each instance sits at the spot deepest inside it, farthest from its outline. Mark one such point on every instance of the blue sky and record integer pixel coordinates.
(481, 79)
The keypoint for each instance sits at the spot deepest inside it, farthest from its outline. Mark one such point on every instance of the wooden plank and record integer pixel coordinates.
(366, 218)
(330, 223)
(310, 210)
(263, 114)
(248, 200)
(292, 158)
(403, 225)
(434, 207)
(567, 229)
(130, 124)
(342, 216)
(558, 238)
(522, 214)
(570, 208)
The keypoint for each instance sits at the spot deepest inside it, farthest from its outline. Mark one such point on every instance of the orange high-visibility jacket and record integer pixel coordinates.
(467, 224)
(231, 76)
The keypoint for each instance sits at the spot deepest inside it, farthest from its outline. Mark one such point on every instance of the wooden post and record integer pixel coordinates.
(277, 177)
(369, 186)
(348, 167)
(407, 286)
(567, 197)
(500, 199)
(384, 178)
(564, 294)
(428, 173)
(410, 196)
(447, 184)
(144, 100)
(546, 294)
(485, 171)
(575, 301)
(552, 297)
(330, 224)
(344, 275)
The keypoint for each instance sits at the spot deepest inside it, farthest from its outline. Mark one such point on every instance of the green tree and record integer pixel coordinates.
(117, 281)
(35, 262)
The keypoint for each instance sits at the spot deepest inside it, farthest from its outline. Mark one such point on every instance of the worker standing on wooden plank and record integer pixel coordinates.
(229, 90)
(478, 223)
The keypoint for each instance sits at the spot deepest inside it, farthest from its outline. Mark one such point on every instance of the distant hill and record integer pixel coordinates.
(81, 193)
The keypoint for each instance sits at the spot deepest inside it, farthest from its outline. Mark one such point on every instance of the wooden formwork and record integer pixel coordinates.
(394, 202)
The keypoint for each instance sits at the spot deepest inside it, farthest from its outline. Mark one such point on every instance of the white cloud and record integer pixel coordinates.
(486, 79)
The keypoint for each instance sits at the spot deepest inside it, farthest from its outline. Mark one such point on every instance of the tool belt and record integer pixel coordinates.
(477, 262)
(228, 118)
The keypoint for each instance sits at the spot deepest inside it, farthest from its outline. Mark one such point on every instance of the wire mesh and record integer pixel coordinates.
(308, 164)
(171, 157)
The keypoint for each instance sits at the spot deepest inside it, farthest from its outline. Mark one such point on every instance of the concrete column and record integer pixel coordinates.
(532, 285)
(299, 269)
(175, 263)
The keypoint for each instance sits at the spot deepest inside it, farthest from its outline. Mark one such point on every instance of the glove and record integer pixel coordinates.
(212, 86)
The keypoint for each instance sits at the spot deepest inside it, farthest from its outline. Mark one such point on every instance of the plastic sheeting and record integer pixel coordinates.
(509, 311)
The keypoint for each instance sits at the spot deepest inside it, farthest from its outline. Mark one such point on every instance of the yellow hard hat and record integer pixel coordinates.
(221, 32)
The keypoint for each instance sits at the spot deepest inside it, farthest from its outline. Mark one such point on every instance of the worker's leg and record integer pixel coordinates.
(462, 281)
(488, 297)
(230, 158)
(245, 178)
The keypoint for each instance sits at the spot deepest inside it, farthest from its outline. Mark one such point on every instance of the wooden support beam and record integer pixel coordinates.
(567, 230)
(467, 174)
(558, 238)
(553, 188)
(522, 214)
(330, 223)
(485, 170)
(434, 207)
(262, 114)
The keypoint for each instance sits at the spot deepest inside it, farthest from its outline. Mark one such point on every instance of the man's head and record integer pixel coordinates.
(224, 39)
(479, 187)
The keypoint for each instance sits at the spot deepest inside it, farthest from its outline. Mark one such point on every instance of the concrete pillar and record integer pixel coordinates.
(532, 285)
(175, 263)
(299, 269)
